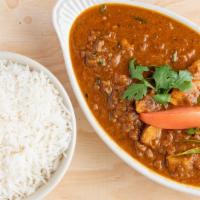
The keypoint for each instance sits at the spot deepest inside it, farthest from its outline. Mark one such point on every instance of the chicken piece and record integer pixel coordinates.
(90, 58)
(178, 98)
(147, 104)
(122, 80)
(195, 70)
(106, 87)
(190, 97)
(181, 166)
(129, 48)
(151, 136)
(99, 45)
(116, 60)
(125, 44)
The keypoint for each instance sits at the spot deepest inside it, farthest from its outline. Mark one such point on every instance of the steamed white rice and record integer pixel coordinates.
(35, 130)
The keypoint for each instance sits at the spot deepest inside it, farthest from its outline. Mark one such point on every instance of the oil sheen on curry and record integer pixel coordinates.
(140, 73)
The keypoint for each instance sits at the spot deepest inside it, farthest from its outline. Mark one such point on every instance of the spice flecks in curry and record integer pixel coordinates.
(103, 40)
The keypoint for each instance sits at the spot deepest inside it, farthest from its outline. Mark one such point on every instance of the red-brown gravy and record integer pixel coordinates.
(103, 39)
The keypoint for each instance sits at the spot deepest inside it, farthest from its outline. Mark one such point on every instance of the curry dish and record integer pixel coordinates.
(140, 75)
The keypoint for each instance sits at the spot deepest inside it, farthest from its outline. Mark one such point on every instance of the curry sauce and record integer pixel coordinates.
(103, 40)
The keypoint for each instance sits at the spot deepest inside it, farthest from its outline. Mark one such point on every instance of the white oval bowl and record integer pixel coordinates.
(65, 162)
(64, 15)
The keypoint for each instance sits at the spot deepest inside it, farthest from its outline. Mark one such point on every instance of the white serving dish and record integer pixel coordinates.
(64, 165)
(64, 14)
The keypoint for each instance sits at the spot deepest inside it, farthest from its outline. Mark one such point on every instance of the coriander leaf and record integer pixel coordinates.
(101, 61)
(132, 66)
(184, 80)
(190, 141)
(164, 77)
(192, 131)
(148, 84)
(135, 91)
(137, 71)
(189, 152)
(162, 98)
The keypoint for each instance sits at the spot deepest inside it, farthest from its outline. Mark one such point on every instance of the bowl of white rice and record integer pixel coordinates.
(37, 129)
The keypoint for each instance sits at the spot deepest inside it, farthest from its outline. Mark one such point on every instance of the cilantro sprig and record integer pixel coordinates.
(163, 80)
(136, 71)
(137, 90)
(189, 152)
(192, 131)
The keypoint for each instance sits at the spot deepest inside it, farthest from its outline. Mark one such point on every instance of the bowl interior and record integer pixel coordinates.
(64, 15)
(57, 176)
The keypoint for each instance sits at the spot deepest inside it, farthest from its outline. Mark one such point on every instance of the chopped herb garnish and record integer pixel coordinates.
(183, 81)
(140, 19)
(175, 56)
(162, 98)
(189, 152)
(102, 8)
(164, 77)
(192, 141)
(135, 91)
(164, 80)
(137, 71)
(101, 61)
(192, 131)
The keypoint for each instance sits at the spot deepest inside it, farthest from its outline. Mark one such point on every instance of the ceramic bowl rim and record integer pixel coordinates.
(132, 162)
(65, 163)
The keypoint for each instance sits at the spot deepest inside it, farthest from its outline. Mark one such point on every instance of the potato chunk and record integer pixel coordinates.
(181, 166)
(147, 104)
(178, 97)
(190, 97)
(195, 70)
(151, 136)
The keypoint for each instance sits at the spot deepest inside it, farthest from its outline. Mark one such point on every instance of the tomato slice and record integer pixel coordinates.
(177, 118)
